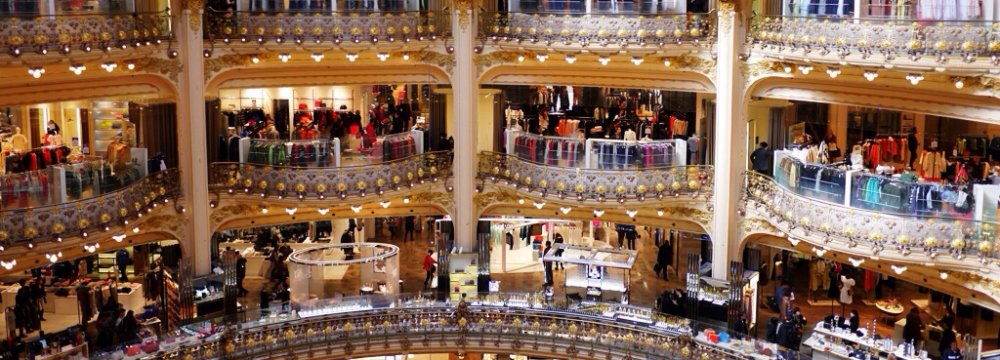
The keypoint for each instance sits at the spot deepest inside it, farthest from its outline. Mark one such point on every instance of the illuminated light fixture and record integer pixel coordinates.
(631, 213)
(130, 65)
(520, 58)
(317, 57)
(806, 69)
(406, 56)
(119, 238)
(8, 264)
(833, 72)
(382, 56)
(565, 210)
(899, 270)
(356, 208)
(36, 72)
(788, 69)
(77, 68)
(598, 213)
(793, 241)
(53, 258)
(604, 60)
(637, 60)
(666, 62)
(255, 59)
(819, 251)
(856, 262)
(352, 56)
(520, 201)
(284, 57)
(541, 57)
(58, 240)
(406, 200)
(263, 209)
(570, 59)
(915, 78)
(135, 230)
(109, 66)
(323, 211)
(944, 275)
(291, 211)
(91, 248)
(959, 83)
(385, 204)
(538, 204)
(659, 212)
(871, 75)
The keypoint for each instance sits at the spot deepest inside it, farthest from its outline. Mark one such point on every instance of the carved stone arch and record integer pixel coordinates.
(932, 98)
(242, 76)
(237, 214)
(686, 219)
(66, 89)
(596, 75)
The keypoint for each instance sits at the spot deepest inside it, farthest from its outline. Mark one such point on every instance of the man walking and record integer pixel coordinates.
(760, 159)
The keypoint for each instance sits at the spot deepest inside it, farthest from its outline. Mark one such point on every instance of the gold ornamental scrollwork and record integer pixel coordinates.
(464, 10)
(194, 17)
(217, 64)
(434, 58)
(727, 9)
(486, 61)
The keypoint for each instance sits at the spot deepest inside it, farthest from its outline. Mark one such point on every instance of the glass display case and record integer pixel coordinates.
(110, 120)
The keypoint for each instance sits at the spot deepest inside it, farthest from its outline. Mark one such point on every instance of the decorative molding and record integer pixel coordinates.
(171, 68)
(755, 71)
(700, 64)
(727, 10)
(219, 63)
(194, 9)
(445, 200)
(446, 62)
(487, 199)
(486, 61)
(464, 10)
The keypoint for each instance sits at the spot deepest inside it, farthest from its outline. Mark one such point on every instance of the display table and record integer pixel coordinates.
(67, 352)
(891, 309)
(750, 349)
(597, 269)
(835, 344)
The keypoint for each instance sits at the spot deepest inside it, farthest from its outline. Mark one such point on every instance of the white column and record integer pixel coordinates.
(191, 140)
(466, 88)
(731, 135)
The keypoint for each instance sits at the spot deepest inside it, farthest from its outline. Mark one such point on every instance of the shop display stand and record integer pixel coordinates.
(597, 270)
(110, 119)
(833, 345)
(463, 275)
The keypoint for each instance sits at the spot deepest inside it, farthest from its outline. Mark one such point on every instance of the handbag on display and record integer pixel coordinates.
(133, 350)
(150, 346)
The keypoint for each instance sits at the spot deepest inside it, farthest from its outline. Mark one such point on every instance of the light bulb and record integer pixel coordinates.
(135, 230)
(255, 59)
(263, 210)
(899, 270)
(538, 204)
(356, 208)
(788, 69)
(598, 213)
(944, 275)
(871, 75)
(406, 56)
(109, 66)
(323, 211)
(856, 262)
(666, 62)
(604, 60)
(631, 213)
(77, 68)
(520, 58)
(317, 57)
(806, 69)
(570, 59)
(541, 57)
(637, 60)
(352, 56)
(36, 72)
(291, 211)
(284, 57)
(659, 212)
(833, 72)
(130, 65)
(914, 78)
(520, 201)
(819, 251)
(383, 56)
(119, 238)
(565, 210)
(385, 204)
(959, 83)
(406, 200)
(793, 241)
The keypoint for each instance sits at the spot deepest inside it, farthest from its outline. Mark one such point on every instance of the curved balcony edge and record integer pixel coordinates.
(945, 244)
(45, 36)
(364, 29)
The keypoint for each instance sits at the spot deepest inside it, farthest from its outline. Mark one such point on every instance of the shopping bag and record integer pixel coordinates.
(434, 282)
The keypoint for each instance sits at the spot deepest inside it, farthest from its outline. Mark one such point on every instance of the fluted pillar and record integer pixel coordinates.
(191, 135)
(730, 135)
(466, 88)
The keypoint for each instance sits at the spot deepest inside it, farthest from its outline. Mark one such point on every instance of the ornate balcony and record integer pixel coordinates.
(964, 47)
(95, 217)
(84, 36)
(420, 325)
(547, 30)
(947, 243)
(360, 29)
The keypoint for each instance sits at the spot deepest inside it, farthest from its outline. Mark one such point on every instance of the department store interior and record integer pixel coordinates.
(765, 179)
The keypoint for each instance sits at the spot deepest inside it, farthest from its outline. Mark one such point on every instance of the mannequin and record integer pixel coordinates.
(630, 135)
(118, 154)
(19, 141)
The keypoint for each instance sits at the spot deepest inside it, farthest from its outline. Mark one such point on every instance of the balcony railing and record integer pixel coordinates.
(82, 33)
(874, 232)
(597, 184)
(318, 27)
(51, 223)
(415, 324)
(343, 182)
(886, 37)
(597, 30)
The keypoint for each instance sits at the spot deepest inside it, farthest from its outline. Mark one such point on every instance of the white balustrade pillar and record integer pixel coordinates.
(731, 137)
(191, 138)
(465, 85)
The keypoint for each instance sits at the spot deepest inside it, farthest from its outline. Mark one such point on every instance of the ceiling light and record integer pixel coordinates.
(914, 78)
(598, 213)
(793, 241)
(898, 269)
(637, 60)
(356, 208)
(385, 204)
(631, 213)
(570, 59)
(109, 66)
(819, 251)
(604, 60)
(291, 211)
(520, 58)
(944, 275)
(8, 264)
(806, 69)
(119, 238)
(871, 75)
(284, 57)
(541, 57)
(323, 211)
(659, 212)
(538, 204)
(565, 210)
(130, 65)
(406, 56)
(406, 200)
(317, 57)
(856, 262)
(255, 59)
(36, 72)
(135, 230)
(77, 68)
(833, 72)
(959, 83)
(666, 62)
(352, 56)
(788, 69)
(383, 56)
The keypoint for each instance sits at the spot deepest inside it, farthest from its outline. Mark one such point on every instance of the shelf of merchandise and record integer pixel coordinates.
(463, 276)
(110, 119)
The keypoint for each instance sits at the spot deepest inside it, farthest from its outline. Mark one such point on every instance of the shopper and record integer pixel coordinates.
(914, 326)
(948, 340)
(122, 260)
(547, 265)
(430, 266)
(761, 159)
(664, 257)
(952, 352)
(241, 273)
(559, 251)
(631, 234)
(410, 227)
(853, 321)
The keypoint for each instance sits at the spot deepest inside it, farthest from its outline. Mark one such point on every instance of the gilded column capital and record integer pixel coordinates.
(194, 9)
(464, 8)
